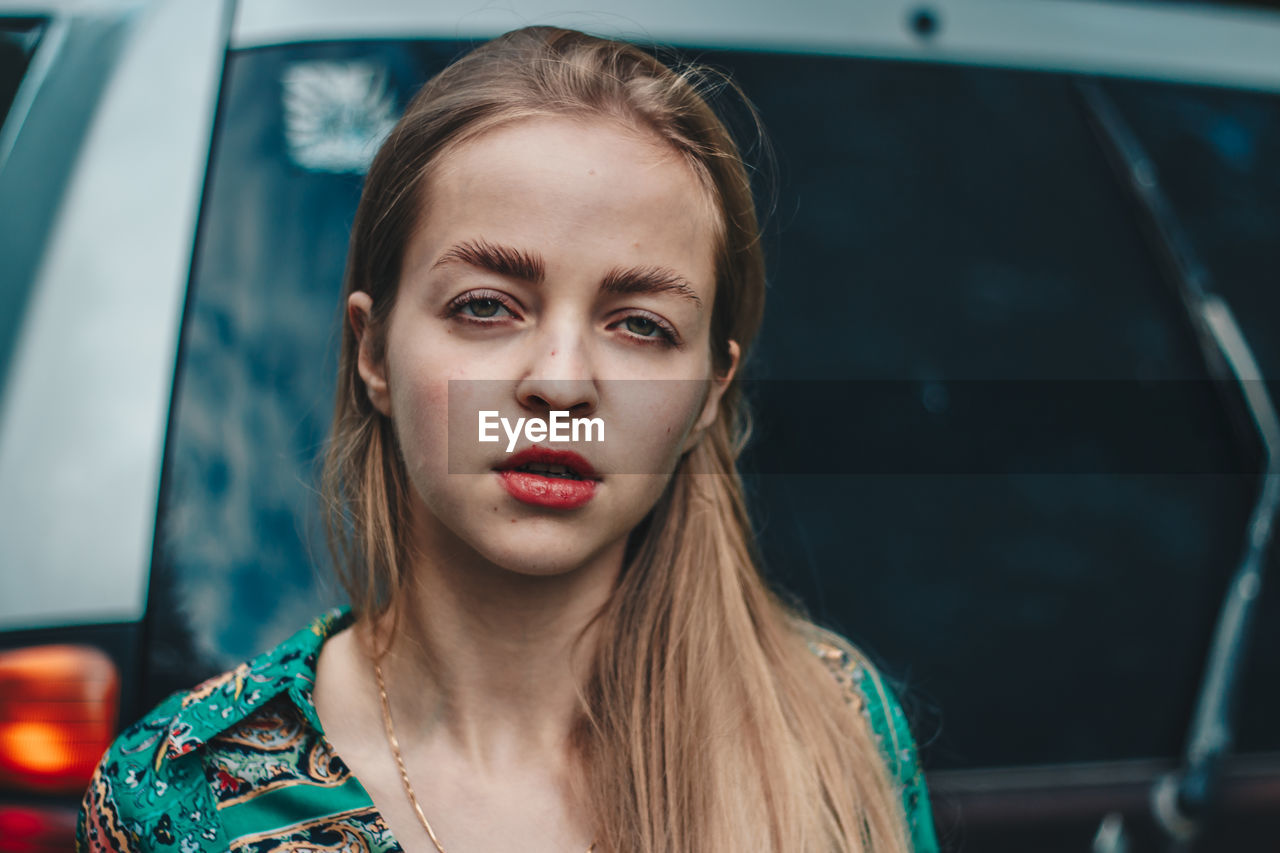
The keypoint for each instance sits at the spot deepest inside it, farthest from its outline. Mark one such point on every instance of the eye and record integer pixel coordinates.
(642, 326)
(481, 307)
(649, 329)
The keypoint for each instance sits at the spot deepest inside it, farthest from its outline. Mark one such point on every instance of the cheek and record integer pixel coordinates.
(653, 419)
(420, 408)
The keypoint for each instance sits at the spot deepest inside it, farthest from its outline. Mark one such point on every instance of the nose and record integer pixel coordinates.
(559, 374)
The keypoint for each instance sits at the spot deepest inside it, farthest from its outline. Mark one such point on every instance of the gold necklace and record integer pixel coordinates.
(395, 751)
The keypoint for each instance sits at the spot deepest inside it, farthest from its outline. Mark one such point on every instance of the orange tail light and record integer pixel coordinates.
(57, 716)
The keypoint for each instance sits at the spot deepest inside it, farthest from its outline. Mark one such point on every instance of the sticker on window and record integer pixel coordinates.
(336, 114)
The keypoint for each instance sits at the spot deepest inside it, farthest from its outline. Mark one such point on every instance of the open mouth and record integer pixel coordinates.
(553, 464)
(552, 479)
(559, 472)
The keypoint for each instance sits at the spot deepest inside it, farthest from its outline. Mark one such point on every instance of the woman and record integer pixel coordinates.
(551, 646)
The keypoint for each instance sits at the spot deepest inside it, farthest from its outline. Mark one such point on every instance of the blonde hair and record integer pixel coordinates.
(707, 724)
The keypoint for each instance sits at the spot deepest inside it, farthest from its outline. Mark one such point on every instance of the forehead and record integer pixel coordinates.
(587, 195)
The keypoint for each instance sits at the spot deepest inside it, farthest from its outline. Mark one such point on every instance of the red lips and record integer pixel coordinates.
(554, 489)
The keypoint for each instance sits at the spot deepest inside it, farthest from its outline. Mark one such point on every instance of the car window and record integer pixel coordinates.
(943, 241)
(957, 232)
(18, 40)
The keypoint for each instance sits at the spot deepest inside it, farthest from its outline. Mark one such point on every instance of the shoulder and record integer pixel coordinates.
(146, 793)
(866, 688)
(872, 695)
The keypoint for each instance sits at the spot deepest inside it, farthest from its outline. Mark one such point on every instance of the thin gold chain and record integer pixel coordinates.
(404, 774)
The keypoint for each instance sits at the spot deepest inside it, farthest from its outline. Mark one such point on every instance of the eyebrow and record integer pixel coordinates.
(529, 266)
(502, 260)
(648, 280)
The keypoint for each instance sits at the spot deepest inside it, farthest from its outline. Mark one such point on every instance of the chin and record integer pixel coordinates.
(537, 547)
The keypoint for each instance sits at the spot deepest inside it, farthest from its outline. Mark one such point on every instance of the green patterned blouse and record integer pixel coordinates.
(241, 763)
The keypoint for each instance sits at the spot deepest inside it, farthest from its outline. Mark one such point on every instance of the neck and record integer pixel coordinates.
(488, 662)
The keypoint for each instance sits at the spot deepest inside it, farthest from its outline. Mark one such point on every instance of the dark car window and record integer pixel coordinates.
(18, 40)
(958, 228)
(951, 234)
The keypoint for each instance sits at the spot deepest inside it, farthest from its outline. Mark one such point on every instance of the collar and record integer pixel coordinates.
(228, 699)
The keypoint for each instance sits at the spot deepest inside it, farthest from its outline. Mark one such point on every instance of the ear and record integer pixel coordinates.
(711, 407)
(372, 371)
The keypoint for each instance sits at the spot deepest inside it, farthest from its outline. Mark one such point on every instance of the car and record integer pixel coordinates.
(994, 445)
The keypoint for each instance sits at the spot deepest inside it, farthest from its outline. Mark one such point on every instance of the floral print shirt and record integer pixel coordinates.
(241, 763)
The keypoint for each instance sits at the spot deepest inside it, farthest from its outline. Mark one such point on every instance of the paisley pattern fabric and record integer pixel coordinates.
(866, 690)
(241, 763)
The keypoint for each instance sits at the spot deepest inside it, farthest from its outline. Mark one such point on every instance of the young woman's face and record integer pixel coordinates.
(559, 265)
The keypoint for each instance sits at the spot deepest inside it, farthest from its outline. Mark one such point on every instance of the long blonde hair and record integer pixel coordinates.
(707, 725)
